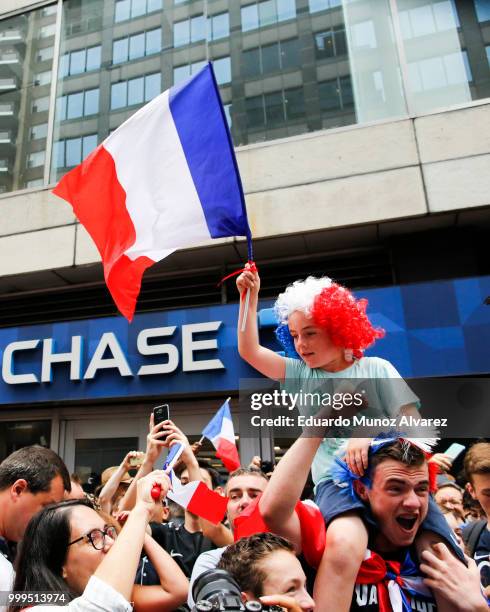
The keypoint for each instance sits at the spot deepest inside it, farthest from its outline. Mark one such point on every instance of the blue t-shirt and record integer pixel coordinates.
(383, 387)
(482, 557)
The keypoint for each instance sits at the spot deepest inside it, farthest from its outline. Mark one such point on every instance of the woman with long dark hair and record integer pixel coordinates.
(69, 549)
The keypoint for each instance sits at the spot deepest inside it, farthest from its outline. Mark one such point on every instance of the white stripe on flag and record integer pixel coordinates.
(160, 194)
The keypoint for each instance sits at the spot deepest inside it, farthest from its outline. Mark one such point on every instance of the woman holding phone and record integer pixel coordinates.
(70, 550)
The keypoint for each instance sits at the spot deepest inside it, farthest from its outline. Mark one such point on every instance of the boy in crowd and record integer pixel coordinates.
(477, 534)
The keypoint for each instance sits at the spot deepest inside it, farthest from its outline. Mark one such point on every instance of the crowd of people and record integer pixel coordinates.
(382, 533)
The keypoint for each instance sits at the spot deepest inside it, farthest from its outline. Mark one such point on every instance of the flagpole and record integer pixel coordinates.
(247, 295)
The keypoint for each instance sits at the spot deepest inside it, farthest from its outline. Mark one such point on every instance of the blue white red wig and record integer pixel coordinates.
(333, 308)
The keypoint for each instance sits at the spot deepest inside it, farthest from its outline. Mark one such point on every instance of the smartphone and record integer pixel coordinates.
(136, 461)
(160, 414)
(454, 450)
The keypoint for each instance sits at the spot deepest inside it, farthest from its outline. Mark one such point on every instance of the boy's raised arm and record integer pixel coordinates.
(262, 359)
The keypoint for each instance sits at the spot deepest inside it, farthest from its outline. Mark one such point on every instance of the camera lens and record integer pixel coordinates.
(253, 606)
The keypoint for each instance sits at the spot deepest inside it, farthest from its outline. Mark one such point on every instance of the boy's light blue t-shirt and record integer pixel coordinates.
(385, 399)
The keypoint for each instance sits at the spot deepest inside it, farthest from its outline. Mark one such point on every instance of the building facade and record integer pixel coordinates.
(362, 132)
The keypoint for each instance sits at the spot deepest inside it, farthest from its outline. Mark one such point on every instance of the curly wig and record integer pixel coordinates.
(332, 308)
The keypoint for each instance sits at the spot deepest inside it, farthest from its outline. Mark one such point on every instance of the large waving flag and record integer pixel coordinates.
(220, 432)
(167, 178)
(197, 498)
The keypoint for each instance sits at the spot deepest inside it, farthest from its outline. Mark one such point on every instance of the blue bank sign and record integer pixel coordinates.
(184, 351)
(432, 329)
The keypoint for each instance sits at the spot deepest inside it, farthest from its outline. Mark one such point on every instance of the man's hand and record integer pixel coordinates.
(287, 603)
(356, 455)
(443, 461)
(452, 580)
(174, 435)
(154, 443)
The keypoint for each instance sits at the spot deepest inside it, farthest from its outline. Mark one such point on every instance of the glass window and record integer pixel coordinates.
(40, 105)
(42, 78)
(35, 159)
(181, 33)
(138, 8)
(47, 30)
(318, 5)
(181, 73)
(295, 103)
(222, 69)
(267, 13)
(482, 8)
(89, 143)
(324, 45)
(250, 17)
(196, 66)
(340, 41)
(251, 63)
(59, 154)
(154, 5)
(73, 152)
(274, 108)
(346, 89)
(286, 9)
(5, 136)
(153, 86)
(488, 54)
(270, 58)
(119, 95)
(49, 10)
(91, 102)
(329, 95)
(137, 46)
(254, 107)
(290, 53)
(35, 183)
(93, 58)
(45, 54)
(136, 91)
(77, 61)
(64, 65)
(74, 107)
(227, 109)
(198, 28)
(120, 50)
(154, 41)
(219, 26)
(39, 131)
(122, 10)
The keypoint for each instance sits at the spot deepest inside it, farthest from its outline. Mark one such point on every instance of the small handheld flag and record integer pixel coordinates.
(220, 432)
(167, 178)
(197, 498)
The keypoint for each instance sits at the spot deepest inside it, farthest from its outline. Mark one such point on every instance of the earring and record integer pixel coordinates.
(349, 354)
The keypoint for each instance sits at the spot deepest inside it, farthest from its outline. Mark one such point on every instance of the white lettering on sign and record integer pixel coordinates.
(108, 354)
(190, 346)
(73, 358)
(170, 350)
(8, 358)
(99, 362)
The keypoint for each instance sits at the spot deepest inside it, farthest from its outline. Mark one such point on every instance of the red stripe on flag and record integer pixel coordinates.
(99, 202)
(228, 453)
(207, 504)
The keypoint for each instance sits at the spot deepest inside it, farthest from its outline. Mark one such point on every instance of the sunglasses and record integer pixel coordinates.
(97, 537)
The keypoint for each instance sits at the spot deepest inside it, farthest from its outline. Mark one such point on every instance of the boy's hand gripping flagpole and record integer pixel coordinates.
(253, 268)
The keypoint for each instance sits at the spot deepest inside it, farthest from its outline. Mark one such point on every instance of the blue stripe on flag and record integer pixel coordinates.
(215, 425)
(201, 124)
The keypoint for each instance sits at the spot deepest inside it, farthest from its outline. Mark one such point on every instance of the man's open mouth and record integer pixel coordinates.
(406, 523)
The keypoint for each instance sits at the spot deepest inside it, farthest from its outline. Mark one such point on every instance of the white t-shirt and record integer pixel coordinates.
(206, 561)
(6, 576)
(97, 597)
(386, 393)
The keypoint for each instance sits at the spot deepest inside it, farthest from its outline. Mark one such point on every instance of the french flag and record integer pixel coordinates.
(197, 498)
(220, 432)
(167, 178)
